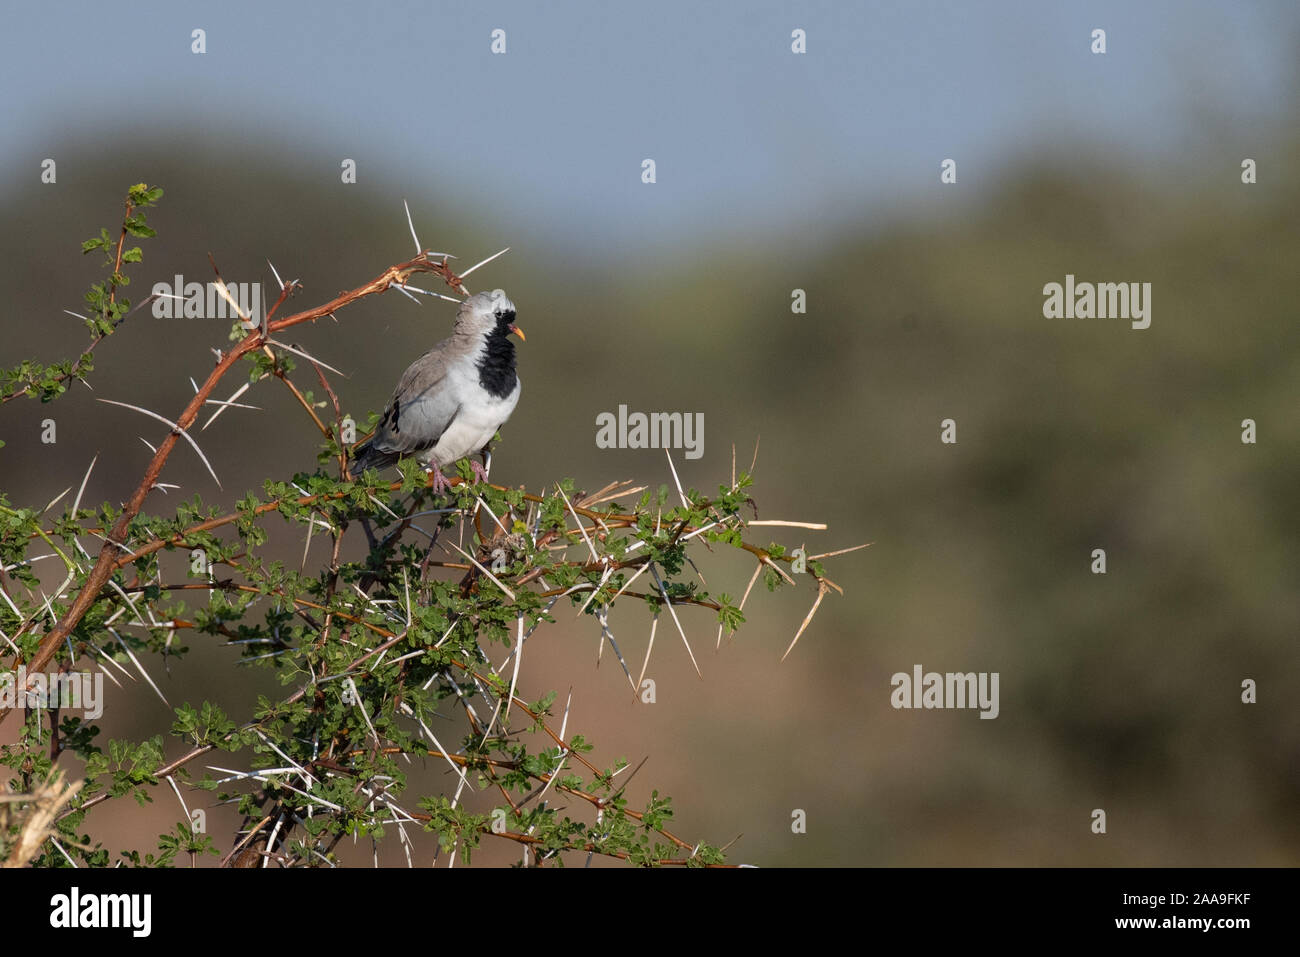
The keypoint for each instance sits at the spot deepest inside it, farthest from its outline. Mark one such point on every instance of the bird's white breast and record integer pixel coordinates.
(479, 416)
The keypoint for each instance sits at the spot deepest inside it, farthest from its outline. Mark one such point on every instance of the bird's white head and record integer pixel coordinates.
(488, 312)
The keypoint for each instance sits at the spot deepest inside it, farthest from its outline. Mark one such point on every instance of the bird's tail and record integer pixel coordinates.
(366, 456)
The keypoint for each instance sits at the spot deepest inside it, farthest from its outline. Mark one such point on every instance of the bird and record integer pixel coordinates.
(450, 402)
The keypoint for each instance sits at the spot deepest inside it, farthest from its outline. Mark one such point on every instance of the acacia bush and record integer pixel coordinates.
(369, 645)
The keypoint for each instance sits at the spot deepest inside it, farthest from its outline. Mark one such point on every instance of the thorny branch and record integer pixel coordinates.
(114, 541)
(718, 520)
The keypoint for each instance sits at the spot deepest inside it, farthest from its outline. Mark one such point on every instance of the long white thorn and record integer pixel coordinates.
(408, 288)
(229, 402)
(412, 225)
(520, 638)
(609, 570)
(821, 593)
(55, 501)
(606, 633)
(581, 527)
(640, 572)
(184, 806)
(745, 597)
(676, 480)
(225, 294)
(842, 551)
(496, 581)
(176, 429)
(139, 667)
(233, 405)
(311, 359)
(402, 289)
(484, 262)
(654, 626)
(672, 611)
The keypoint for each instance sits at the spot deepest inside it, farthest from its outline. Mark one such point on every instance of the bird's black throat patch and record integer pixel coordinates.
(496, 366)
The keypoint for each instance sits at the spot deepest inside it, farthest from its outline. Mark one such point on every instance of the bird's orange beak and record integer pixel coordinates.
(519, 332)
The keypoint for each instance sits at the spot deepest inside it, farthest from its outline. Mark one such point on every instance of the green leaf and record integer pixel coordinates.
(135, 225)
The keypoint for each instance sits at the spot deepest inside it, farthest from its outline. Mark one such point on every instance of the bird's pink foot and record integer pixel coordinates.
(439, 482)
(479, 473)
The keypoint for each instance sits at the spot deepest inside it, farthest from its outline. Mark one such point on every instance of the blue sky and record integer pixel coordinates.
(748, 138)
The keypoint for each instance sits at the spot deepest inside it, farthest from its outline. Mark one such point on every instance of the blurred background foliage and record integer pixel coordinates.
(1119, 691)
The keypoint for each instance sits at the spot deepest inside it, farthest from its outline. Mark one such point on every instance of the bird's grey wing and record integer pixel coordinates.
(421, 408)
